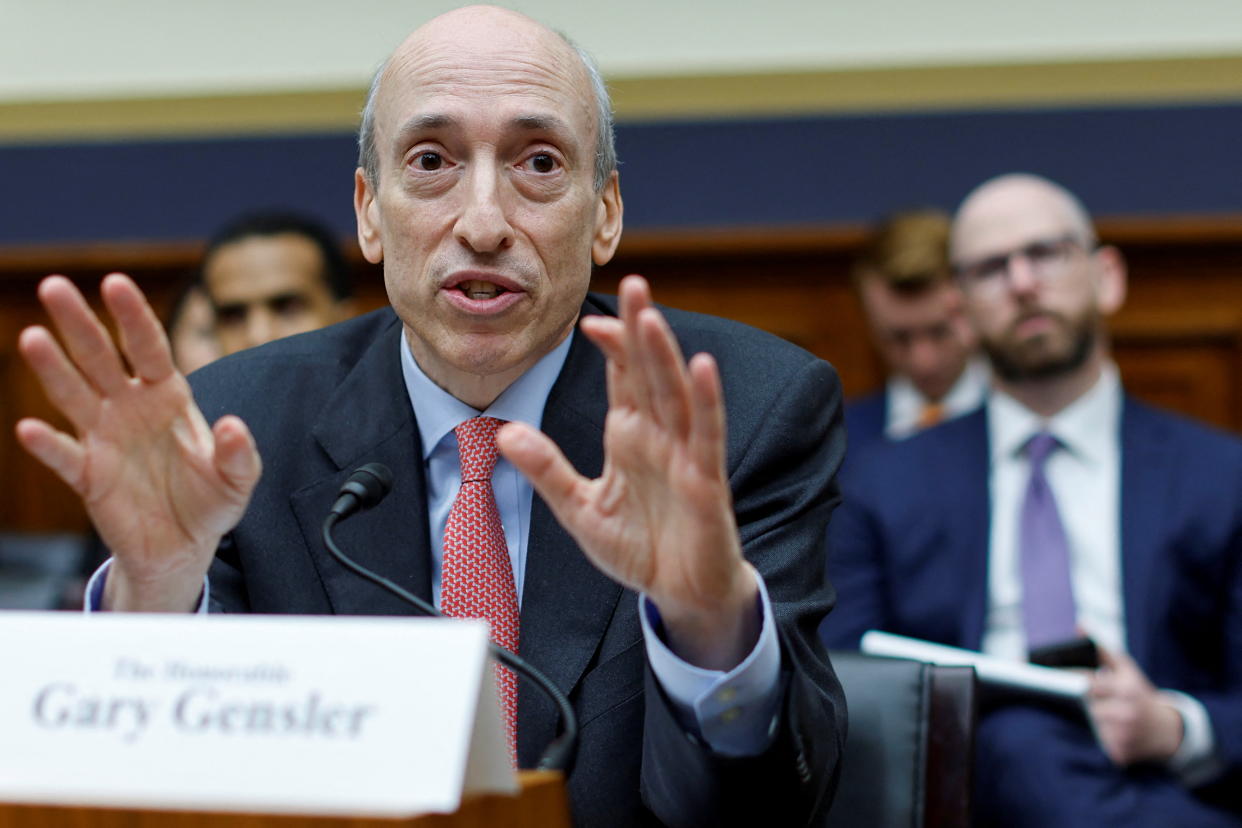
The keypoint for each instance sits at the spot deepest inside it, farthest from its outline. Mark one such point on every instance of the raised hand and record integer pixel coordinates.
(660, 517)
(160, 485)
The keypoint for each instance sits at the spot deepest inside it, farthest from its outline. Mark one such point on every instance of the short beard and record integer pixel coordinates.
(1013, 366)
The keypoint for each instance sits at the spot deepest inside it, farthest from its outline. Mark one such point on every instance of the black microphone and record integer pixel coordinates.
(365, 488)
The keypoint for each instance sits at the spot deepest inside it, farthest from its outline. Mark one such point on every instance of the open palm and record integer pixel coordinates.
(160, 486)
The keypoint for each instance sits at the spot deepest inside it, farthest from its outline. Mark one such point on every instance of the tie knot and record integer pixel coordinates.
(1039, 447)
(476, 444)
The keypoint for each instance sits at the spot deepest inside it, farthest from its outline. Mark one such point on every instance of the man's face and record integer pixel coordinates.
(266, 288)
(1035, 287)
(193, 334)
(485, 212)
(923, 336)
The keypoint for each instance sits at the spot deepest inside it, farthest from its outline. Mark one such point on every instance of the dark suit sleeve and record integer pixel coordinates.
(784, 488)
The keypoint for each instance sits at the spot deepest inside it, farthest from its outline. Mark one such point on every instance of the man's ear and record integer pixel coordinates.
(1111, 279)
(607, 221)
(367, 212)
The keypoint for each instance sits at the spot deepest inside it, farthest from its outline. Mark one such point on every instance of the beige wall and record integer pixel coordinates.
(75, 49)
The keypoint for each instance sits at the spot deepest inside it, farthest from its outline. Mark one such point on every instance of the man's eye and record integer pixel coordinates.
(429, 161)
(230, 315)
(288, 305)
(1041, 252)
(542, 162)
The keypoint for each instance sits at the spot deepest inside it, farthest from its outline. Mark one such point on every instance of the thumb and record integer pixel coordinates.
(237, 458)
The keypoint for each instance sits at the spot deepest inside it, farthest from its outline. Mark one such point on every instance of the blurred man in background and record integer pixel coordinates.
(274, 274)
(914, 310)
(192, 328)
(1063, 508)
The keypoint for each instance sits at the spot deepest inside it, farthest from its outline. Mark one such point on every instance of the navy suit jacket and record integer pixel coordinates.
(322, 404)
(909, 551)
(865, 419)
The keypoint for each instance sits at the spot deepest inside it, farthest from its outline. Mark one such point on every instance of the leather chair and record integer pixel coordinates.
(38, 572)
(909, 754)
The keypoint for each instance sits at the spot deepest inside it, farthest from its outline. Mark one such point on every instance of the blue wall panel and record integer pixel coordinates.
(1121, 160)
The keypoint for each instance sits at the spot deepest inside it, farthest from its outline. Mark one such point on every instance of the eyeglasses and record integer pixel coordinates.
(1047, 260)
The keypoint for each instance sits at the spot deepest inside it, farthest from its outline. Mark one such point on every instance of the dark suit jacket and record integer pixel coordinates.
(322, 404)
(865, 418)
(909, 550)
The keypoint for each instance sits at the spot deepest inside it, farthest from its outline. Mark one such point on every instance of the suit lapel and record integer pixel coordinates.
(369, 419)
(566, 602)
(966, 480)
(1145, 478)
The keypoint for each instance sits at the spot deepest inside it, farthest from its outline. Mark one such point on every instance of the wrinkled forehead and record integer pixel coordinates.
(517, 69)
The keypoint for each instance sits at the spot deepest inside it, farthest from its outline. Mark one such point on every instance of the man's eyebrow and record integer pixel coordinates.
(546, 123)
(530, 123)
(422, 123)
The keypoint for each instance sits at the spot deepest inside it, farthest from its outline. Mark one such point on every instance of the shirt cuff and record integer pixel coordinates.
(1195, 761)
(95, 591)
(736, 711)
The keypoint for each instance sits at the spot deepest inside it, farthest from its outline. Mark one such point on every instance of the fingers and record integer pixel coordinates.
(667, 379)
(647, 369)
(84, 337)
(236, 457)
(64, 385)
(708, 427)
(54, 449)
(142, 337)
(1109, 660)
(543, 464)
(634, 297)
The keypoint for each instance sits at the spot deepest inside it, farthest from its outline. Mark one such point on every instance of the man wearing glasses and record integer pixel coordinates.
(1061, 512)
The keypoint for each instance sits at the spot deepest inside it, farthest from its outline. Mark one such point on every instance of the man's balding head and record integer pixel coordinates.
(1037, 285)
(478, 25)
(1014, 199)
(484, 192)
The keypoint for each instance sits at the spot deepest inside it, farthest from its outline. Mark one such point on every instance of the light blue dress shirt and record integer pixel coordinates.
(735, 712)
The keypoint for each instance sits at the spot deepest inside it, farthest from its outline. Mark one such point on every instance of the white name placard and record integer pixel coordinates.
(294, 714)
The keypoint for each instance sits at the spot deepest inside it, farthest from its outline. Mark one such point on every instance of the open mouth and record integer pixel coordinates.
(479, 290)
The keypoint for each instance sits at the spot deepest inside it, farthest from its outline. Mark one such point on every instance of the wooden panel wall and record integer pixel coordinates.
(1178, 340)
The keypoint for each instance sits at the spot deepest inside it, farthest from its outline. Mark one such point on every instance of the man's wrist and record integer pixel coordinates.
(177, 591)
(721, 636)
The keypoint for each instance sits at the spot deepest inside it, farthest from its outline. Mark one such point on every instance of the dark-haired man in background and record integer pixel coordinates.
(661, 565)
(274, 274)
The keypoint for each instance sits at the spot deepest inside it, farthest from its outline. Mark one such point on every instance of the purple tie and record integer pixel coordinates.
(1048, 598)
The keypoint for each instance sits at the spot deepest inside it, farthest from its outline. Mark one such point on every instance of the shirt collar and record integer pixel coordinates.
(1079, 426)
(438, 412)
(906, 402)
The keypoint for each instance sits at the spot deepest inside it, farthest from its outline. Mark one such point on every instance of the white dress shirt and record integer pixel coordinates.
(1084, 473)
(906, 403)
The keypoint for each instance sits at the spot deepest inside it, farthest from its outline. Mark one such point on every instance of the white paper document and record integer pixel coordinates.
(286, 714)
(1014, 674)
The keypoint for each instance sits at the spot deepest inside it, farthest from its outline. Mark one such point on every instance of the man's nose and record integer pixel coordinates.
(260, 327)
(1022, 277)
(483, 224)
(924, 356)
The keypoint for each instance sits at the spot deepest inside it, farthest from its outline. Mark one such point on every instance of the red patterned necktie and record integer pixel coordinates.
(476, 579)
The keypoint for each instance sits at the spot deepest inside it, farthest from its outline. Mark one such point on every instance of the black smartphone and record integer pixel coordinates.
(1080, 652)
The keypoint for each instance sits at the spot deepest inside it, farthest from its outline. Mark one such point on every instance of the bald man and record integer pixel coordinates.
(1064, 508)
(487, 187)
